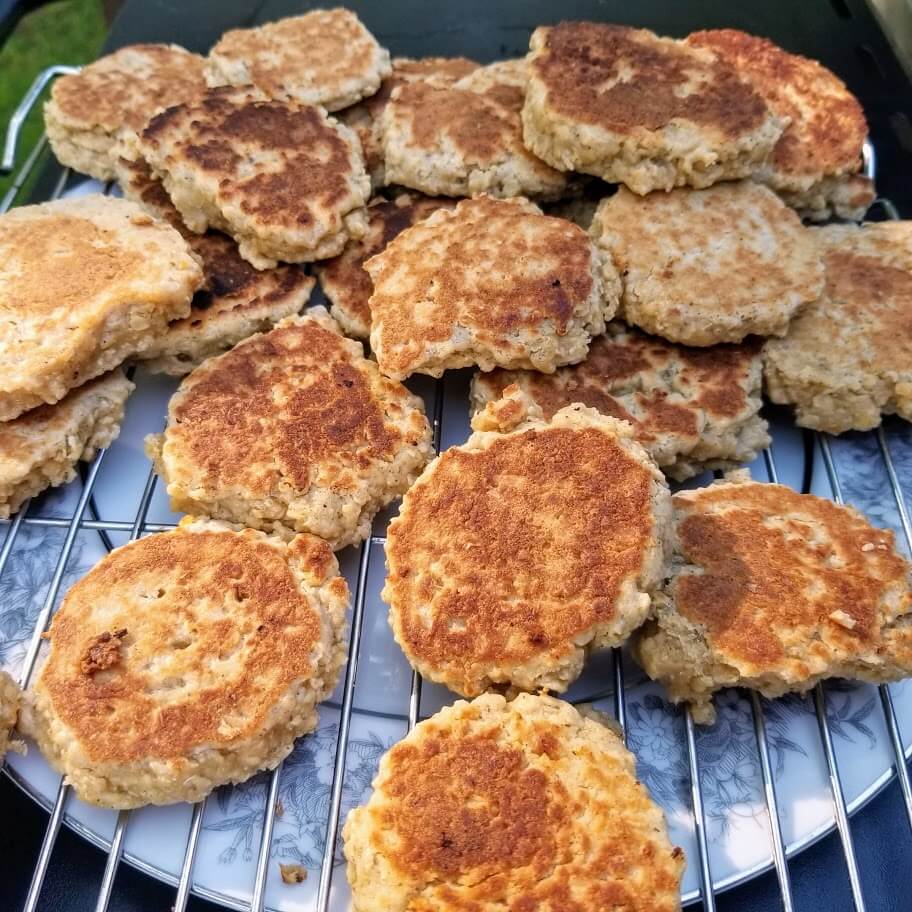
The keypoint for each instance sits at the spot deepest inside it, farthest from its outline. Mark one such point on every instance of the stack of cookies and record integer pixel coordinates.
(608, 231)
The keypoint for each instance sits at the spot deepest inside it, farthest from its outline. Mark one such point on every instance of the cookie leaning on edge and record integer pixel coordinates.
(293, 430)
(702, 267)
(88, 111)
(692, 409)
(517, 553)
(302, 202)
(526, 804)
(344, 280)
(187, 660)
(325, 57)
(41, 447)
(775, 591)
(85, 283)
(847, 359)
(493, 283)
(364, 117)
(633, 108)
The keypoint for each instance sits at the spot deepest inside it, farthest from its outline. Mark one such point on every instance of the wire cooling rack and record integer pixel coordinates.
(79, 520)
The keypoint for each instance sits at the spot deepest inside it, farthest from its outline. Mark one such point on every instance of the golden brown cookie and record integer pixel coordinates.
(775, 591)
(634, 108)
(293, 430)
(520, 805)
(517, 553)
(187, 660)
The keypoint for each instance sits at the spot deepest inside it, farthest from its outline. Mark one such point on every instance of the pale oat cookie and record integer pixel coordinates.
(506, 806)
(10, 701)
(293, 430)
(286, 181)
(41, 447)
(519, 552)
(364, 117)
(492, 283)
(814, 165)
(692, 409)
(847, 359)
(88, 111)
(775, 591)
(84, 284)
(457, 142)
(187, 660)
(325, 57)
(345, 281)
(709, 266)
(634, 108)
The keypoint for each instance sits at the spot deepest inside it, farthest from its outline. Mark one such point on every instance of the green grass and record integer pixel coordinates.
(68, 31)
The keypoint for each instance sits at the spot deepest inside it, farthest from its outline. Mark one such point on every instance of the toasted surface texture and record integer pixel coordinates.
(775, 590)
(516, 554)
(450, 141)
(507, 806)
(364, 117)
(84, 284)
(847, 359)
(324, 57)
(186, 660)
(692, 409)
(492, 283)
(344, 279)
(302, 199)
(819, 154)
(88, 111)
(292, 430)
(709, 266)
(10, 699)
(41, 447)
(634, 108)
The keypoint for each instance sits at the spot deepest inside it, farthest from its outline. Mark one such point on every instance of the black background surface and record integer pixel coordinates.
(843, 35)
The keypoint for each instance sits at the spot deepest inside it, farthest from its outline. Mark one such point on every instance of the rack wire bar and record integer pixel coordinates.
(258, 900)
(88, 525)
(348, 696)
(772, 807)
(707, 891)
(183, 884)
(836, 787)
(24, 109)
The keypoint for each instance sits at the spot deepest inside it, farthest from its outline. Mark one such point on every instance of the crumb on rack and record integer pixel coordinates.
(293, 873)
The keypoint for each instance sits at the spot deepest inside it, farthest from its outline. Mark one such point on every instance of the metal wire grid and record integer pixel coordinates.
(78, 522)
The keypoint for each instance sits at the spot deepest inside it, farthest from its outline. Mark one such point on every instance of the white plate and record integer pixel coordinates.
(732, 788)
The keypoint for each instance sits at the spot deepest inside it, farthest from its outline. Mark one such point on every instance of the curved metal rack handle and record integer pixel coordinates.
(23, 111)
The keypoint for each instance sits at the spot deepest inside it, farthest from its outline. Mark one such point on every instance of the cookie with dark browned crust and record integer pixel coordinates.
(293, 430)
(301, 201)
(631, 107)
